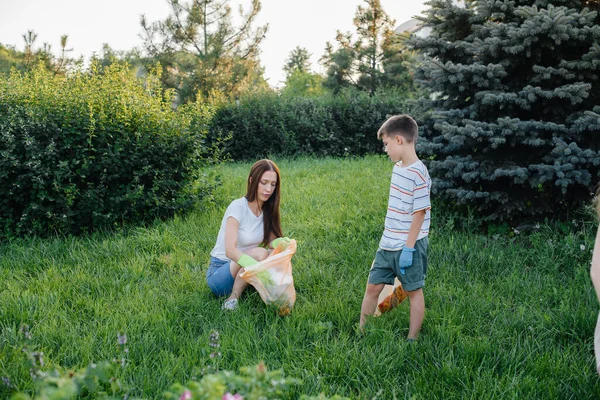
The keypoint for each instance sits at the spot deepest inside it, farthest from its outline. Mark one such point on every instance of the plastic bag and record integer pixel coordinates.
(390, 297)
(273, 279)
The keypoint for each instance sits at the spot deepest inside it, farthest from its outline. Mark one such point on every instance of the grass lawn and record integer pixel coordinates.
(508, 316)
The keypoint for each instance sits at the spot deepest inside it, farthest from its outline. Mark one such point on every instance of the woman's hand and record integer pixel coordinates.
(285, 240)
(246, 261)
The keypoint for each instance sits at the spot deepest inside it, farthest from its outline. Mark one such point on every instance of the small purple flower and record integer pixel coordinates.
(39, 357)
(121, 361)
(187, 395)
(6, 381)
(25, 331)
(214, 343)
(122, 339)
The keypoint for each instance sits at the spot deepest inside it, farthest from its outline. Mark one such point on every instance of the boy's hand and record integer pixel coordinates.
(278, 241)
(246, 261)
(406, 258)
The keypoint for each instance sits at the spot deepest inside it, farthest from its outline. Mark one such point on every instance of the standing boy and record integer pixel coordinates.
(402, 250)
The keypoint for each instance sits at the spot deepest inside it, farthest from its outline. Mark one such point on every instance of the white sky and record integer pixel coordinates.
(90, 23)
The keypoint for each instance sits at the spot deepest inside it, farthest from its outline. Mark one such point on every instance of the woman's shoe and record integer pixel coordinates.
(230, 304)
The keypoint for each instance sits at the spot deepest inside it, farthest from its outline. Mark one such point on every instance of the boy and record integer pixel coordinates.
(402, 250)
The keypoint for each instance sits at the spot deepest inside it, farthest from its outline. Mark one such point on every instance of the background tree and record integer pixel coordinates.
(27, 59)
(110, 56)
(201, 50)
(63, 61)
(516, 89)
(376, 58)
(397, 62)
(300, 81)
(303, 84)
(10, 57)
(374, 27)
(339, 64)
(298, 60)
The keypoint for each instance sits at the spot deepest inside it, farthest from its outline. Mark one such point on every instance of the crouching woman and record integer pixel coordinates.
(250, 227)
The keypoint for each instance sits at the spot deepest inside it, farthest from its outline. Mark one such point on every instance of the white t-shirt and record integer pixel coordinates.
(250, 232)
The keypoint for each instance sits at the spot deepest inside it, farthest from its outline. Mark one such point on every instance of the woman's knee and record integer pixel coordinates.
(258, 253)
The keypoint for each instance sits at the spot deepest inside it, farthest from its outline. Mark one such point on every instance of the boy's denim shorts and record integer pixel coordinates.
(219, 277)
(386, 267)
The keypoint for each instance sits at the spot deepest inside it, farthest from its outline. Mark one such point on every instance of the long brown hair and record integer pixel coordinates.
(270, 208)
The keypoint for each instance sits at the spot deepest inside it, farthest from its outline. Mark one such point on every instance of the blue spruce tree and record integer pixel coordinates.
(513, 104)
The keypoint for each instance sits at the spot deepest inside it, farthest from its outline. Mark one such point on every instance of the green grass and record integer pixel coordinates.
(507, 316)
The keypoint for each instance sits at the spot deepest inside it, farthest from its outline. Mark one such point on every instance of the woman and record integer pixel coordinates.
(249, 225)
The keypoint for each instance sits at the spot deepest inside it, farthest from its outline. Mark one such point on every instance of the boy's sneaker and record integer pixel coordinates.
(230, 305)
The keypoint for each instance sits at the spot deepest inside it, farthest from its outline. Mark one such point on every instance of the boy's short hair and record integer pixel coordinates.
(403, 125)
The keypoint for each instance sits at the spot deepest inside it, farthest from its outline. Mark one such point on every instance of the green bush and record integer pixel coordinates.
(332, 125)
(93, 150)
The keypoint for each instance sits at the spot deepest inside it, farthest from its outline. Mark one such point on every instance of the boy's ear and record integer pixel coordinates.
(400, 139)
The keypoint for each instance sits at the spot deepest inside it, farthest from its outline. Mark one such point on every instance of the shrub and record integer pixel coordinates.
(333, 125)
(93, 150)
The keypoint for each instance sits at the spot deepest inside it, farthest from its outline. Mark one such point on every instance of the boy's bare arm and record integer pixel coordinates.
(415, 228)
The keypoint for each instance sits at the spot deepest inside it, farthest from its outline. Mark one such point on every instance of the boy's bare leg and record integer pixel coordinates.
(417, 312)
(369, 303)
(239, 285)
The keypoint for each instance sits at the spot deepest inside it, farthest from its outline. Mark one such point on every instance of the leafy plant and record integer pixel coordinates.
(97, 380)
(95, 150)
(101, 380)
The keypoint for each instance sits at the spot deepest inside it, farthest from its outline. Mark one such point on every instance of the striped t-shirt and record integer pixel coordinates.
(409, 192)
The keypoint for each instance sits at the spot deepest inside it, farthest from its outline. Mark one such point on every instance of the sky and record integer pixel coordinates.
(89, 24)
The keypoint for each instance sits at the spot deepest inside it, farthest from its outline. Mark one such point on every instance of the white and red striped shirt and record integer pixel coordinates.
(409, 193)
